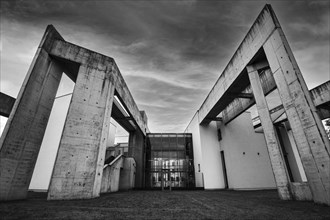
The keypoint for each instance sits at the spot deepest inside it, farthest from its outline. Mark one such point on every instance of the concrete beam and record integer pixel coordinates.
(122, 117)
(6, 104)
(321, 98)
(238, 106)
(253, 41)
(276, 158)
(242, 95)
(308, 132)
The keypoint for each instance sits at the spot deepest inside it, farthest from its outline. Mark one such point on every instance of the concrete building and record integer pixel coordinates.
(237, 139)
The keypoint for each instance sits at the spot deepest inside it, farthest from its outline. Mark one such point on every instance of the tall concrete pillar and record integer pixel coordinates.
(308, 132)
(22, 137)
(273, 145)
(136, 150)
(79, 164)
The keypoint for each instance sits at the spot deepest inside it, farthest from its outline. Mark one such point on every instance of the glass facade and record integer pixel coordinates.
(169, 159)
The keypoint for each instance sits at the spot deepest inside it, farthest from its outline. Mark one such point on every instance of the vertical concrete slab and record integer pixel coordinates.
(273, 145)
(307, 129)
(136, 150)
(22, 137)
(127, 174)
(79, 164)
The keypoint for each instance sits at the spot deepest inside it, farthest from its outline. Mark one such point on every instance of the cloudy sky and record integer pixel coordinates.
(169, 52)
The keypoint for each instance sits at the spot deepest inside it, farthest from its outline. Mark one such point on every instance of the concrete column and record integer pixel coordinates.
(273, 145)
(308, 132)
(136, 150)
(22, 137)
(79, 164)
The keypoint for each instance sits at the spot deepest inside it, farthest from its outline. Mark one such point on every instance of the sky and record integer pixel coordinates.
(170, 53)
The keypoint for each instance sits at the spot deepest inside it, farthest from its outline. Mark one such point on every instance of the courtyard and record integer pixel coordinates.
(198, 204)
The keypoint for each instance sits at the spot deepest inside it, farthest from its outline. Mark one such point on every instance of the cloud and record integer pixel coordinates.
(169, 53)
(315, 73)
(321, 28)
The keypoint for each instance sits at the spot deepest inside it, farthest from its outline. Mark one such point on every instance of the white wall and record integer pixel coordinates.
(249, 170)
(207, 154)
(212, 165)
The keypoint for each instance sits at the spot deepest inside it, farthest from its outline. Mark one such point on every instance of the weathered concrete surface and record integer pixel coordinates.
(217, 99)
(86, 129)
(111, 175)
(321, 98)
(136, 148)
(308, 131)
(320, 94)
(276, 158)
(301, 191)
(79, 164)
(127, 174)
(25, 128)
(6, 104)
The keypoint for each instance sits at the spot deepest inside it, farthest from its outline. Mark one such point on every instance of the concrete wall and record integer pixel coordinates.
(127, 174)
(206, 154)
(212, 166)
(111, 176)
(136, 150)
(246, 155)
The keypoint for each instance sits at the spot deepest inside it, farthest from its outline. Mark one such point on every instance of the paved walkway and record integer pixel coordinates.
(167, 205)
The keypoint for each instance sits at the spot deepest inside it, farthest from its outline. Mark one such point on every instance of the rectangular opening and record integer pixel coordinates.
(50, 143)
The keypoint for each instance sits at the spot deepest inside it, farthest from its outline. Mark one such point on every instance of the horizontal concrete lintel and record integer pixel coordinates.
(242, 95)
(321, 94)
(238, 106)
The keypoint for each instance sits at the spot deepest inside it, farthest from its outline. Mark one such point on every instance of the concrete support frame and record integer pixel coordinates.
(276, 158)
(78, 169)
(136, 150)
(79, 164)
(308, 132)
(22, 137)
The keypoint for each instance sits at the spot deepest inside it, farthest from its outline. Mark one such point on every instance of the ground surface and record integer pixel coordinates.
(166, 205)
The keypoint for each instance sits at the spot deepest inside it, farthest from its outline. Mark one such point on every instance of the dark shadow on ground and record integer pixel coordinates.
(166, 205)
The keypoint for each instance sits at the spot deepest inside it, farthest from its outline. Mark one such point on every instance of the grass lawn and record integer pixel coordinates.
(166, 205)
